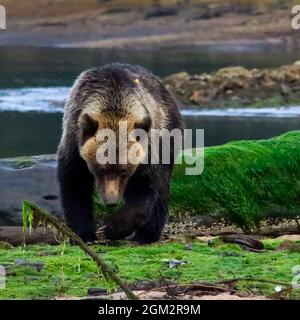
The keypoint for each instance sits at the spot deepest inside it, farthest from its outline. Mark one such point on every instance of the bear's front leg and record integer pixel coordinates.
(76, 188)
(144, 212)
(139, 201)
(122, 223)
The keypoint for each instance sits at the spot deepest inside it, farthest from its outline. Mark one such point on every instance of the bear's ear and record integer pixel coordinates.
(88, 125)
(145, 124)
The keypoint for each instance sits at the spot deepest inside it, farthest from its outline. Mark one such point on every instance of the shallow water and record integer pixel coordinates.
(34, 83)
(43, 67)
(32, 133)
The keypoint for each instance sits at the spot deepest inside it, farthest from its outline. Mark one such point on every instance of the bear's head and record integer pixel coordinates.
(113, 147)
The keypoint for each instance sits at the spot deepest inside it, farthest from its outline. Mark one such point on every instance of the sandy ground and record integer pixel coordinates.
(92, 26)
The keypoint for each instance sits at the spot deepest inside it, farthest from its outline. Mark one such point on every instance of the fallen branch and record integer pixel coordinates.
(42, 217)
(248, 242)
(191, 289)
(15, 236)
(252, 280)
(213, 288)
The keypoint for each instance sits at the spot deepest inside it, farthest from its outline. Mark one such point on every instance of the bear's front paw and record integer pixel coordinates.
(112, 230)
(101, 234)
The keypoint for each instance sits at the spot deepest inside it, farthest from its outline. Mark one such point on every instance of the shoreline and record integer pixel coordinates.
(143, 26)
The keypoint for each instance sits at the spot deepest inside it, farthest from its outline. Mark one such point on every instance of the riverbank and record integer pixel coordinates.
(119, 24)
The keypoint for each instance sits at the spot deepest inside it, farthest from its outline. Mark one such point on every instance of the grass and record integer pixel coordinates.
(72, 273)
(243, 181)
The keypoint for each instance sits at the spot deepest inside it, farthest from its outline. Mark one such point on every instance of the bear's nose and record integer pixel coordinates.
(111, 199)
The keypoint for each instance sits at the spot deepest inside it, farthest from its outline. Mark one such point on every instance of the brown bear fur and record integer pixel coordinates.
(100, 98)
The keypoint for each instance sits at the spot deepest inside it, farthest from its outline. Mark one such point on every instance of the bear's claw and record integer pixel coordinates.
(100, 233)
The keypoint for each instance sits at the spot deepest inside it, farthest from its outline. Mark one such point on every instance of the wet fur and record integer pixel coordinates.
(107, 94)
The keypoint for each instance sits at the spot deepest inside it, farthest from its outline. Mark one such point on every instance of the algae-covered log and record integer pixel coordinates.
(243, 181)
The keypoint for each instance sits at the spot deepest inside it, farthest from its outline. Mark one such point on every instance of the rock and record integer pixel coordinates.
(177, 79)
(161, 12)
(237, 87)
(188, 247)
(289, 246)
(96, 291)
(292, 73)
(290, 237)
(202, 77)
(31, 178)
(24, 263)
(234, 72)
(5, 245)
(206, 239)
(285, 90)
(198, 96)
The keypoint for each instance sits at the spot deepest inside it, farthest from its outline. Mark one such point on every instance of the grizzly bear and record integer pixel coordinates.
(101, 98)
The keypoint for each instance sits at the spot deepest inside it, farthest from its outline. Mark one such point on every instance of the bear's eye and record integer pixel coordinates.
(144, 125)
(88, 125)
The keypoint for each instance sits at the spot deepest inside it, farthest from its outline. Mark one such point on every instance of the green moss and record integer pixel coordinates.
(271, 102)
(72, 273)
(243, 181)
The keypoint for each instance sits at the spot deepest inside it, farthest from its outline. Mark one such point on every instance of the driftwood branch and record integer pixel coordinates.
(250, 279)
(40, 216)
(15, 236)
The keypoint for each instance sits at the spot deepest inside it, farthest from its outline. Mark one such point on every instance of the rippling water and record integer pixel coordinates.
(52, 99)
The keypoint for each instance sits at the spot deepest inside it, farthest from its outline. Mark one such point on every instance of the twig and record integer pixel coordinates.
(189, 288)
(213, 287)
(252, 279)
(42, 216)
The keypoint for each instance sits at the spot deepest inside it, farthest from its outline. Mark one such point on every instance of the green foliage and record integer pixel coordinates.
(71, 272)
(243, 181)
(27, 217)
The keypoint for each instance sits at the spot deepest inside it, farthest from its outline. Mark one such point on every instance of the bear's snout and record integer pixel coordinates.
(111, 200)
(110, 191)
